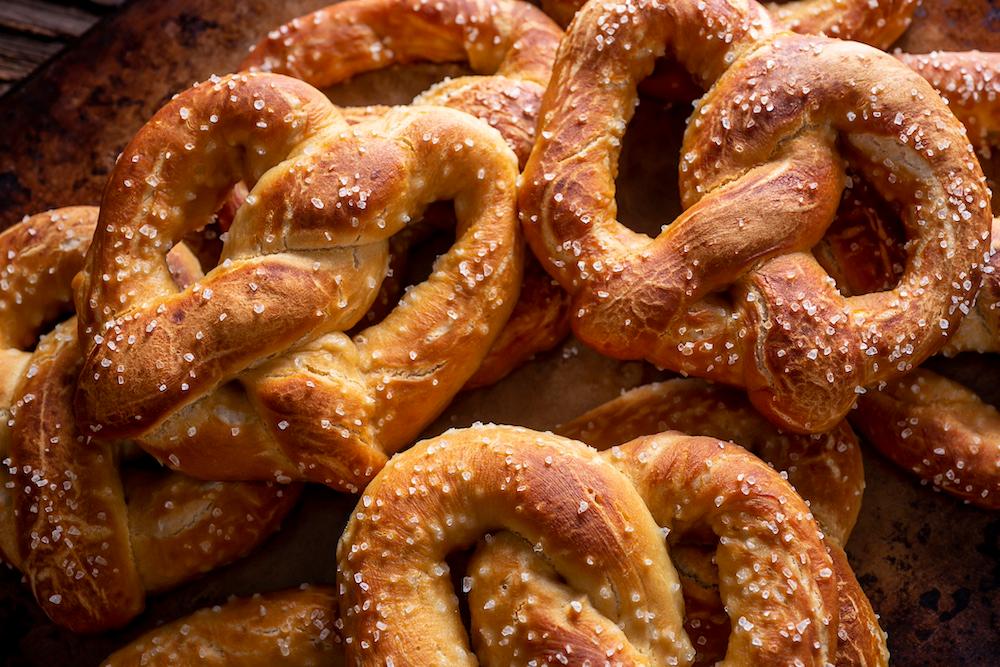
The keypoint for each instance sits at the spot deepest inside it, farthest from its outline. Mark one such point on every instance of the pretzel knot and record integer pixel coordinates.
(92, 539)
(509, 44)
(594, 519)
(247, 374)
(762, 156)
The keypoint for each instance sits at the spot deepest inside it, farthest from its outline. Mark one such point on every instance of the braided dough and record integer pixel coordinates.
(90, 542)
(753, 309)
(247, 374)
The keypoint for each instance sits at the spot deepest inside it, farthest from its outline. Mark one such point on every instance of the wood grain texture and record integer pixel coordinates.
(928, 563)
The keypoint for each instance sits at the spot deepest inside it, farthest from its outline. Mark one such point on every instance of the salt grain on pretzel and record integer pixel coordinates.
(91, 543)
(247, 374)
(729, 290)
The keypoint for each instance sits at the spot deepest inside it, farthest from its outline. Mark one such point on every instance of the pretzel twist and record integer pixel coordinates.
(594, 530)
(879, 25)
(294, 627)
(90, 542)
(302, 263)
(754, 308)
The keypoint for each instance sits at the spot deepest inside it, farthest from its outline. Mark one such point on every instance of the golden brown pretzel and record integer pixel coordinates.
(89, 548)
(879, 23)
(826, 470)
(302, 263)
(587, 521)
(939, 430)
(509, 44)
(729, 290)
(294, 627)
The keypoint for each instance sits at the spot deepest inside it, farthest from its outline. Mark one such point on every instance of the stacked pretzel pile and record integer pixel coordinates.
(166, 397)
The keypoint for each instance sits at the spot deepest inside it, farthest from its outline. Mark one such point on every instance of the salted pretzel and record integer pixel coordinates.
(878, 23)
(247, 374)
(90, 541)
(826, 470)
(296, 627)
(729, 291)
(509, 44)
(591, 517)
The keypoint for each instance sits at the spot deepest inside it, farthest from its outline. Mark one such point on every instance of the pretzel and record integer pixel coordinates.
(878, 24)
(826, 470)
(302, 264)
(753, 308)
(588, 522)
(509, 44)
(89, 548)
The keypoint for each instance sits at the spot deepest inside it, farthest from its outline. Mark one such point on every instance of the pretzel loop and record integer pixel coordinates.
(303, 262)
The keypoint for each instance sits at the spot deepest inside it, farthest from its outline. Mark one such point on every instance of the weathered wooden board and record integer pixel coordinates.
(930, 565)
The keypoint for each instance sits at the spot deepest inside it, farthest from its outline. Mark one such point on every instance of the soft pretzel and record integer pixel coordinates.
(878, 23)
(826, 470)
(509, 44)
(89, 543)
(753, 308)
(294, 627)
(939, 430)
(302, 263)
(585, 519)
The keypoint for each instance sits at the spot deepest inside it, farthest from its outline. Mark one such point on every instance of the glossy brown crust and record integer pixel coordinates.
(565, 500)
(302, 264)
(952, 25)
(781, 329)
(826, 469)
(295, 627)
(509, 44)
(940, 431)
(89, 549)
(857, 20)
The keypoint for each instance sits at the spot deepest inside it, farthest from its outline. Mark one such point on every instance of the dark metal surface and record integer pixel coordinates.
(930, 564)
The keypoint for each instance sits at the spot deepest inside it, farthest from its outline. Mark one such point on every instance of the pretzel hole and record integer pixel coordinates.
(412, 255)
(396, 84)
(646, 188)
(863, 250)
